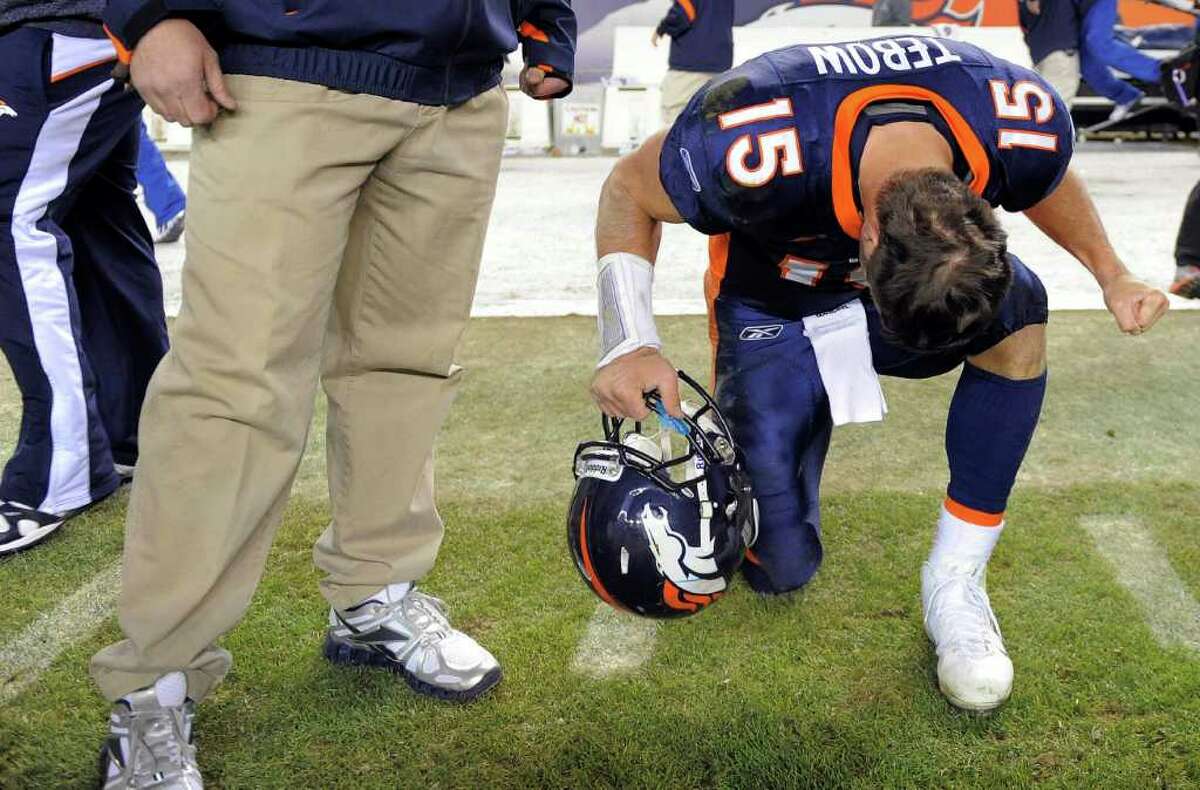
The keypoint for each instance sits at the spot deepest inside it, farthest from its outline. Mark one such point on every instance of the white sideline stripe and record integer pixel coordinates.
(25, 657)
(614, 642)
(1142, 568)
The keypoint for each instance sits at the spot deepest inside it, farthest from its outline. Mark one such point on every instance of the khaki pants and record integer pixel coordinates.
(330, 235)
(677, 88)
(1061, 70)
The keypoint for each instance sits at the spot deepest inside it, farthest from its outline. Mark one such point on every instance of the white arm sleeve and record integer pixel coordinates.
(625, 317)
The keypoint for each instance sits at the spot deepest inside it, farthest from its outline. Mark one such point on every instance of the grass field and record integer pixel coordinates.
(833, 687)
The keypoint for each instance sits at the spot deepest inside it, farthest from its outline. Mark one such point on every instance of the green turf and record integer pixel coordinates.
(831, 688)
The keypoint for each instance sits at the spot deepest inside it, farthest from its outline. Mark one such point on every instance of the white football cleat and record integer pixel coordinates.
(974, 670)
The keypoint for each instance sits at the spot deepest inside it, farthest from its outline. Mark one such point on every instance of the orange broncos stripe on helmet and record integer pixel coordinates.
(674, 598)
(686, 601)
(597, 585)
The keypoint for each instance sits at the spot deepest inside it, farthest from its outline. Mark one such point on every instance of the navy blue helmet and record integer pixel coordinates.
(655, 532)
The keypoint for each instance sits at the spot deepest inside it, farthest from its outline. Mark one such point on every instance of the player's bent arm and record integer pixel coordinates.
(633, 204)
(1069, 217)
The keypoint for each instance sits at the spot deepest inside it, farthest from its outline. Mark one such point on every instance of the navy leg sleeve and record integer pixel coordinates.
(989, 428)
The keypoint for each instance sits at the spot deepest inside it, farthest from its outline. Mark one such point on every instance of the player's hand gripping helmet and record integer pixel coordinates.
(659, 534)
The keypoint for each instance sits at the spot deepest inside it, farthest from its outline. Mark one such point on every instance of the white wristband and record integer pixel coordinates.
(625, 317)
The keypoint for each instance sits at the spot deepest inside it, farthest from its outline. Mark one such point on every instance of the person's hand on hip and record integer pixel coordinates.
(177, 73)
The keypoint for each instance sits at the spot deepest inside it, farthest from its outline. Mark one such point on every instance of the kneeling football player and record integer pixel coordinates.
(849, 191)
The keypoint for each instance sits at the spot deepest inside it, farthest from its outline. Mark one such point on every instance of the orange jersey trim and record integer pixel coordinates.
(844, 207)
(62, 75)
(532, 31)
(123, 55)
(718, 260)
(972, 516)
(688, 9)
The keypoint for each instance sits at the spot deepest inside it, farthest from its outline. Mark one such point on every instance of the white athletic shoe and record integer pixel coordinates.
(974, 670)
(150, 746)
(411, 636)
(1122, 111)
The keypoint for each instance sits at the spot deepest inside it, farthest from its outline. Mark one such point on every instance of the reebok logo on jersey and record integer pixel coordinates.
(6, 111)
(768, 332)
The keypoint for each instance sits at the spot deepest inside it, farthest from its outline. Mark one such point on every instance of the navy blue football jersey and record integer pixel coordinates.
(768, 151)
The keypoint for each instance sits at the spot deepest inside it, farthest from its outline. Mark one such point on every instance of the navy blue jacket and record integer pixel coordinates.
(1049, 26)
(701, 34)
(436, 53)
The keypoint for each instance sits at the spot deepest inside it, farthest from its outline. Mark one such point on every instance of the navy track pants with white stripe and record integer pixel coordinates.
(81, 307)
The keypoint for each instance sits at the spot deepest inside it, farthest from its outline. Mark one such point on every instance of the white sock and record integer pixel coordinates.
(959, 542)
(389, 594)
(171, 689)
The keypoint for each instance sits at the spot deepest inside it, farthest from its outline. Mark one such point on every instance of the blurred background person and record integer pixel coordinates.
(1101, 51)
(160, 190)
(1187, 249)
(701, 34)
(1052, 30)
(891, 13)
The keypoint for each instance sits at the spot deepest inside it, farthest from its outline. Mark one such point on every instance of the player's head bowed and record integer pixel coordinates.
(939, 269)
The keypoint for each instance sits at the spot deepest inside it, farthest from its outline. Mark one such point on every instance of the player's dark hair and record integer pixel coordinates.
(940, 269)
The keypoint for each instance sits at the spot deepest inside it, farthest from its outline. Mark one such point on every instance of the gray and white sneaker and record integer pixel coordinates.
(150, 740)
(411, 635)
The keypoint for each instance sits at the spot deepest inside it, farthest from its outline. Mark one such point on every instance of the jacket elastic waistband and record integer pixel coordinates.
(363, 72)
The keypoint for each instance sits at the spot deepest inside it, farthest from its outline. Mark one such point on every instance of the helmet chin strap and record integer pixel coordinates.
(706, 514)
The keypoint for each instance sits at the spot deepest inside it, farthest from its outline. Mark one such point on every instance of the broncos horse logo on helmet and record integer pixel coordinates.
(657, 533)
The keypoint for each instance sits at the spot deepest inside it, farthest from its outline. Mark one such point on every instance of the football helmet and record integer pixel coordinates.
(655, 532)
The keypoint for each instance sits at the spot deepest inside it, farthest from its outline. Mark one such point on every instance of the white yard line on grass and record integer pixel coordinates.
(614, 642)
(24, 658)
(1142, 568)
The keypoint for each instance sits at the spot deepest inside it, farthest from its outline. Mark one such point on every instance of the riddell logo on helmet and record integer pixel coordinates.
(598, 467)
